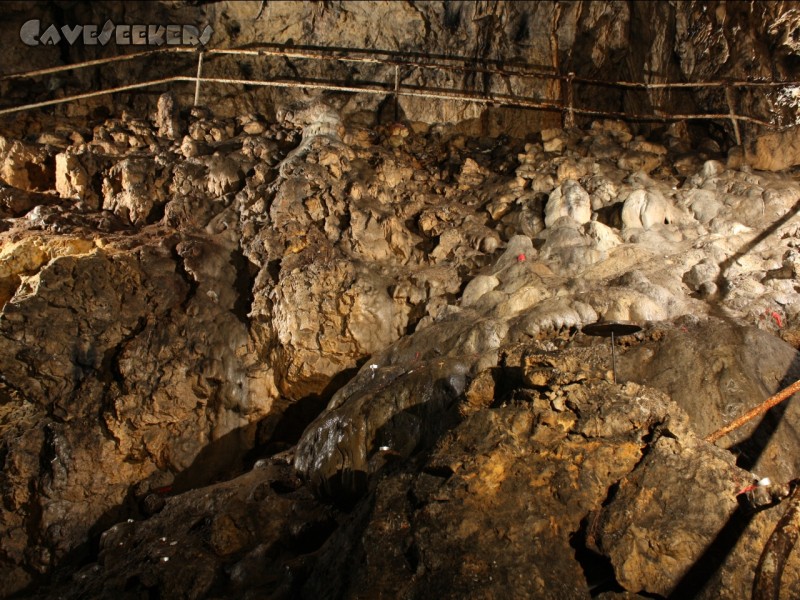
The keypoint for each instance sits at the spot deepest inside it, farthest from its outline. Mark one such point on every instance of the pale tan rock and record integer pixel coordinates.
(25, 166)
(555, 144)
(167, 123)
(774, 151)
(476, 288)
(74, 179)
(253, 128)
(644, 209)
(224, 175)
(617, 129)
(134, 187)
(568, 200)
(645, 162)
(647, 147)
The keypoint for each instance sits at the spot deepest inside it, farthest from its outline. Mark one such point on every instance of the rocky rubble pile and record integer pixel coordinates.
(182, 294)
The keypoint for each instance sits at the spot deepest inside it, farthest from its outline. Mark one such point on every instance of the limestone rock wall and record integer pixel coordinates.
(647, 42)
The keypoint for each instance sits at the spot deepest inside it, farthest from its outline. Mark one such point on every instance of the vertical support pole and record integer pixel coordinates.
(732, 114)
(396, 90)
(569, 115)
(613, 358)
(197, 79)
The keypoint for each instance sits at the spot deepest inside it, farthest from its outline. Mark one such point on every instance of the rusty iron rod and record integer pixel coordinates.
(773, 400)
(114, 90)
(767, 580)
(396, 89)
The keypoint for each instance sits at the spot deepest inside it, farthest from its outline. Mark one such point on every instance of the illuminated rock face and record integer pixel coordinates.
(418, 283)
(388, 314)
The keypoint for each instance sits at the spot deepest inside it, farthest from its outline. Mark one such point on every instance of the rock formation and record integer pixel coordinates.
(307, 350)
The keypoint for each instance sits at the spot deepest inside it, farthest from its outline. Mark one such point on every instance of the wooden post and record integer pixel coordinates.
(396, 90)
(197, 79)
(569, 114)
(732, 114)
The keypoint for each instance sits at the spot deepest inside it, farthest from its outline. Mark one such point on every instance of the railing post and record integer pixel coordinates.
(396, 90)
(197, 79)
(569, 114)
(732, 114)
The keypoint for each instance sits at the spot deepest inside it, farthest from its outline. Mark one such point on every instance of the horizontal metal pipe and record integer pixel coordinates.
(505, 100)
(92, 63)
(468, 64)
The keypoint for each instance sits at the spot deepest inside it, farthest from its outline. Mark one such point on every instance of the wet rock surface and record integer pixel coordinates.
(388, 318)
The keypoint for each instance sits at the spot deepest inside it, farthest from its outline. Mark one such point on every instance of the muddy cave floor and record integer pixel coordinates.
(315, 358)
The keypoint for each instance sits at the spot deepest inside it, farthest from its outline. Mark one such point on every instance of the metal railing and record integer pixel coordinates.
(396, 88)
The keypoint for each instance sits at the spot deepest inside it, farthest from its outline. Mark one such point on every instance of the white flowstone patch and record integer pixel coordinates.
(568, 200)
(476, 288)
(643, 209)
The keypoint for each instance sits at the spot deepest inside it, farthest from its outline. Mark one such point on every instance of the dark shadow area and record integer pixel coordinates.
(222, 459)
(703, 569)
(246, 273)
(82, 554)
(597, 569)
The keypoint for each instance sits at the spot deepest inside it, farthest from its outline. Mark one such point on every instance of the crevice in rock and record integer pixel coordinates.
(443, 471)
(274, 269)
(412, 556)
(310, 537)
(246, 273)
(282, 429)
(597, 569)
(452, 16)
(156, 213)
(180, 270)
(507, 381)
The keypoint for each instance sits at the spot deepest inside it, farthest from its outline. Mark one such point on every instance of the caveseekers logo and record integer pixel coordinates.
(31, 34)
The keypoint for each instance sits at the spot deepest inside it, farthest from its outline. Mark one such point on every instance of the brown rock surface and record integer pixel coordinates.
(570, 488)
(774, 151)
(184, 293)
